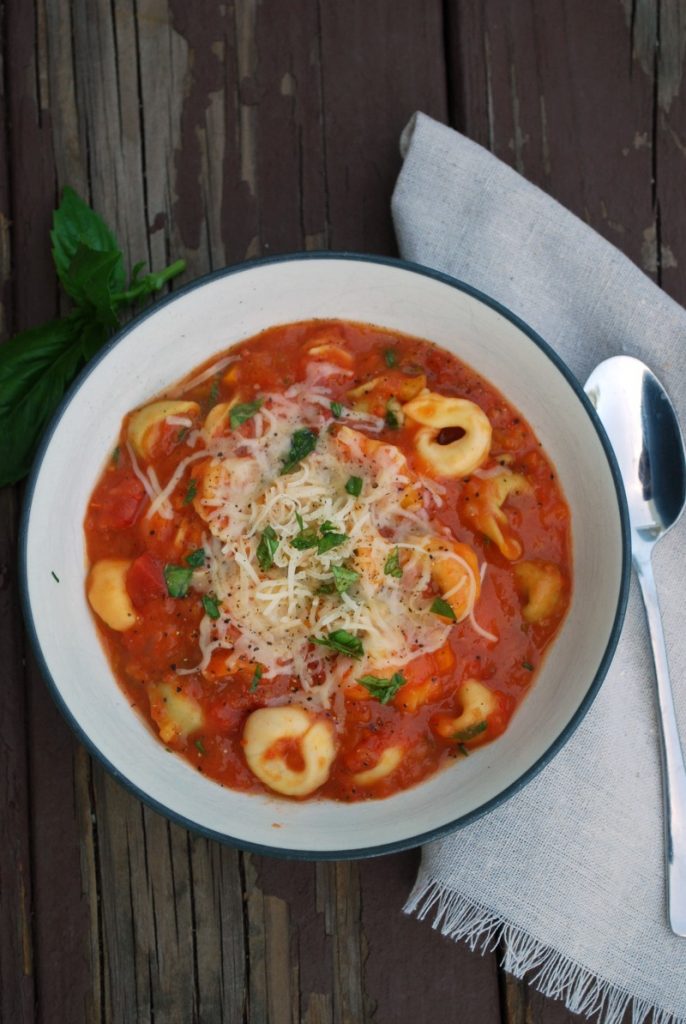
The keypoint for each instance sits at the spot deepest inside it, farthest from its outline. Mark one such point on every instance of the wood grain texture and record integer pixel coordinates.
(220, 132)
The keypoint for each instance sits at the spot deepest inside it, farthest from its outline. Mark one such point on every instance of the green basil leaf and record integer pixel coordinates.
(211, 606)
(391, 418)
(196, 559)
(115, 455)
(329, 541)
(383, 689)
(528, 666)
(178, 580)
(344, 578)
(90, 278)
(337, 409)
(391, 357)
(257, 675)
(200, 746)
(441, 607)
(75, 224)
(464, 735)
(240, 413)
(35, 369)
(305, 539)
(303, 442)
(354, 486)
(190, 492)
(392, 566)
(266, 549)
(342, 642)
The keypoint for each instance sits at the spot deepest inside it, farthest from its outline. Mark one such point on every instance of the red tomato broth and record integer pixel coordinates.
(165, 637)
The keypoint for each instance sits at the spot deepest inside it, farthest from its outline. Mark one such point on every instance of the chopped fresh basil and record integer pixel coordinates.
(343, 578)
(305, 539)
(392, 419)
(181, 436)
(528, 666)
(383, 689)
(214, 392)
(391, 357)
(354, 486)
(211, 606)
(472, 731)
(115, 455)
(257, 675)
(240, 413)
(327, 588)
(392, 566)
(330, 540)
(342, 642)
(303, 442)
(337, 409)
(190, 493)
(200, 746)
(463, 750)
(327, 527)
(196, 558)
(178, 580)
(266, 549)
(441, 607)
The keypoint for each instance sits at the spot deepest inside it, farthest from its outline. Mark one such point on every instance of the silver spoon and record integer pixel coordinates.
(644, 432)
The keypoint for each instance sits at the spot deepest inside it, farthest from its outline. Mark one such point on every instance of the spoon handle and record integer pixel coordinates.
(674, 770)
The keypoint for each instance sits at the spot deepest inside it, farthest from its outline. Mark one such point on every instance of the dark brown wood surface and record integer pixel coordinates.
(220, 132)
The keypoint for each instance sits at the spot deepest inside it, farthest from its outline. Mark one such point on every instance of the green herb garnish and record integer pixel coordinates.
(392, 566)
(181, 436)
(343, 578)
(214, 393)
(330, 540)
(303, 442)
(200, 746)
(178, 580)
(196, 559)
(257, 675)
(115, 455)
(190, 493)
(354, 486)
(391, 357)
(240, 413)
(391, 418)
(383, 689)
(54, 576)
(305, 539)
(441, 607)
(266, 549)
(528, 666)
(463, 750)
(464, 735)
(37, 366)
(342, 642)
(337, 409)
(211, 606)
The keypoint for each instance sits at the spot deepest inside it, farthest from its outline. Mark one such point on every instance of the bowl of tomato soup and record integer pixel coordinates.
(341, 562)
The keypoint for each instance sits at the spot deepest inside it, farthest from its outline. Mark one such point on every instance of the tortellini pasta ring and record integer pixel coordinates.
(389, 760)
(438, 413)
(145, 424)
(176, 714)
(478, 702)
(485, 507)
(455, 570)
(107, 593)
(542, 586)
(266, 728)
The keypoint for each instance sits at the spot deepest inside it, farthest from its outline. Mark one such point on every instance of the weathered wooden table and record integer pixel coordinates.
(219, 132)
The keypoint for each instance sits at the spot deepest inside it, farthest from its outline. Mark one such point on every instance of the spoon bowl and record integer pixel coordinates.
(644, 431)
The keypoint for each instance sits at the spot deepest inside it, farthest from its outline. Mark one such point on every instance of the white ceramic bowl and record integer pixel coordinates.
(165, 344)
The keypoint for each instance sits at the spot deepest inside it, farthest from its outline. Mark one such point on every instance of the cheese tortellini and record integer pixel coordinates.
(108, 595)
(177, 714)
(388, 762)
(145, 424)
(484, 506)
(455, 570)
(266, 735)
(478, 702)
(541, 583)
(437, 416)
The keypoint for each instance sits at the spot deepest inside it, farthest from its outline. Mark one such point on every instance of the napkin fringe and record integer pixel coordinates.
(554, 974)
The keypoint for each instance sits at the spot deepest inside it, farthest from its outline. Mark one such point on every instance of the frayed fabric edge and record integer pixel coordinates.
(551, 973)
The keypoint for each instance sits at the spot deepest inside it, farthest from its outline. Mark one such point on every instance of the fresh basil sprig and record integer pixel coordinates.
(37, 366)
(383, 689)
(341, 641)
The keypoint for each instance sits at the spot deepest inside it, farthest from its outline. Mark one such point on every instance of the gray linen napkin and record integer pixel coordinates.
(570, 870)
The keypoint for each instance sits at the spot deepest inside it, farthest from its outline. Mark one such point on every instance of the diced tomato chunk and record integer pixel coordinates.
(145, 580)
(116, 507)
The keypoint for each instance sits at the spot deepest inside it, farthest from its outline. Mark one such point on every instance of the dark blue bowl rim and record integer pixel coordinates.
(514, 787)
